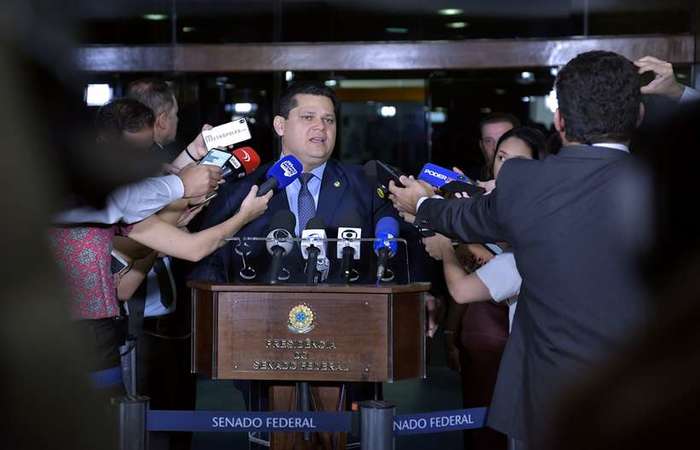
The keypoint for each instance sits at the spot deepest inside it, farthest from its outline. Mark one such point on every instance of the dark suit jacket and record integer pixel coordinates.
(576, 221)
(345, 192)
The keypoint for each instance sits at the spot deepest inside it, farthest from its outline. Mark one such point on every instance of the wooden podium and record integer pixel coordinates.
(320, 333)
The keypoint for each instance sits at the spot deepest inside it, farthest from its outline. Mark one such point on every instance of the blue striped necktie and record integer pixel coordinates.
(306, 206)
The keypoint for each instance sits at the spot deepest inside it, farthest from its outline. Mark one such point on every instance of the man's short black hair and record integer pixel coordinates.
(499, 117)
(288, 102)
(152, 92)
(120, 115)
(599, 96)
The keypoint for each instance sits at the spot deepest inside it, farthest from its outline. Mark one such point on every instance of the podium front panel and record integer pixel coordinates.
(309, 335)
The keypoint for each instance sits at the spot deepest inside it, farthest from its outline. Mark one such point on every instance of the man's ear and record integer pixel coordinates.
(160, 122)
(642, 111)
(278, 123)
(559, 124)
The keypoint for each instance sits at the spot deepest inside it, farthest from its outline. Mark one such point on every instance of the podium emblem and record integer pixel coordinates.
(301, 319)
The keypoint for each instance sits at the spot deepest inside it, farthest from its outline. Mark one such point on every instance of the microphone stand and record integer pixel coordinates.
(311, 265)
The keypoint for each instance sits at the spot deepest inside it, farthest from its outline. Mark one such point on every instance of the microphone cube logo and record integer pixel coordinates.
(288, 168)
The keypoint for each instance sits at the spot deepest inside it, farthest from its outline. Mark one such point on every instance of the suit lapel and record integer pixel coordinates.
(333, 187)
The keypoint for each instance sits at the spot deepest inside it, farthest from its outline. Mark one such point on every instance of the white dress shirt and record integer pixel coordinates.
(131, 203)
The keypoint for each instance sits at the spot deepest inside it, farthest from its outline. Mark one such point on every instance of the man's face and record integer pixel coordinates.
(309, 131)
(166, 128)
(142, 139)
(490, 134)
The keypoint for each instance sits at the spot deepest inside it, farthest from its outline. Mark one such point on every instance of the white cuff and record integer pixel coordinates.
(177, 188)
(689, 95)
(422, 199)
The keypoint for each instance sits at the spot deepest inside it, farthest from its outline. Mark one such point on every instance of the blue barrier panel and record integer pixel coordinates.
(440, 421)
(228, 421)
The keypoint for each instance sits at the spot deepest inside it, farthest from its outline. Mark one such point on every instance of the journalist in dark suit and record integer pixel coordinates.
(341, 193)
(577, 223)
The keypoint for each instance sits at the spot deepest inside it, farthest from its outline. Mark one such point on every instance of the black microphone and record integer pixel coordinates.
(387, 228)
(348, 247)
(281, 174)
(313, 249)
(280, 240)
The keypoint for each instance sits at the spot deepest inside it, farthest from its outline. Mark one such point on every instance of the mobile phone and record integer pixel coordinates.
(118, 263)
(386, 173)
(209, 196)
(460, 186)
(216, 157)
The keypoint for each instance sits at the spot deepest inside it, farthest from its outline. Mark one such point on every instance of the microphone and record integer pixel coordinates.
(281, 174)
(348, 247)
(386, 228)
(313, 249)
(447, 180)
(243, 162)
(280, 241)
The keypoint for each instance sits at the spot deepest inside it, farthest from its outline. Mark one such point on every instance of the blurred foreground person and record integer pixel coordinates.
(648, 396)
(577, 222)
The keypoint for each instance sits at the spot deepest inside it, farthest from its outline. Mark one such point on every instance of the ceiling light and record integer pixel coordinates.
(98, 94)
(289, 76)
(526, 99)
(396, 30)
(155, 16)
(188, 29)
(243, 108)
(450, 12)
(331, 83)
(387, 111)
(456, 25)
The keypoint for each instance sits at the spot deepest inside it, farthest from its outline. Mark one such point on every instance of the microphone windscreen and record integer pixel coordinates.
(438, 176)
(283, 219)
(285, 171)
(248, 157)
(386, 228)
(315, 223)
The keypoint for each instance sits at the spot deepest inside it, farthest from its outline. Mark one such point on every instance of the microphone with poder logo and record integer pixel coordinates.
(243, 162)
(313, 250)
(348, 247)
(385, 247)
(280, 241)
(448, 181)
(281, 174)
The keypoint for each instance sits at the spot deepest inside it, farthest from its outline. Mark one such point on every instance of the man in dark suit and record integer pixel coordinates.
(576, 221)
(330, 190)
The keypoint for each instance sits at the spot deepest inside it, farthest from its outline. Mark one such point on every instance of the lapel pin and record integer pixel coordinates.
(336, 183)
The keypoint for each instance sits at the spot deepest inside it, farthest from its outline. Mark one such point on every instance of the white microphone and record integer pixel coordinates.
(348, 248)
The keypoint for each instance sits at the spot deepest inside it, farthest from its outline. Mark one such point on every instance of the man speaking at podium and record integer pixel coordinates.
(327, 189)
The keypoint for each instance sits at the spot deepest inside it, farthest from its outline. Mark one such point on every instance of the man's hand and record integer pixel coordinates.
(199, 179)
(664, 82)
(488, 185)
(197, 147)
(437, 245)
(406, 199)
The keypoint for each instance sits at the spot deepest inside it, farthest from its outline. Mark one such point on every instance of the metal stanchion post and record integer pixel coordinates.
(132, 423)
(377, 425)
(304, 402)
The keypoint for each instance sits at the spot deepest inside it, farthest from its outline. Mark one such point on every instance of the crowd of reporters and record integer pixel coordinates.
(561, 209)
